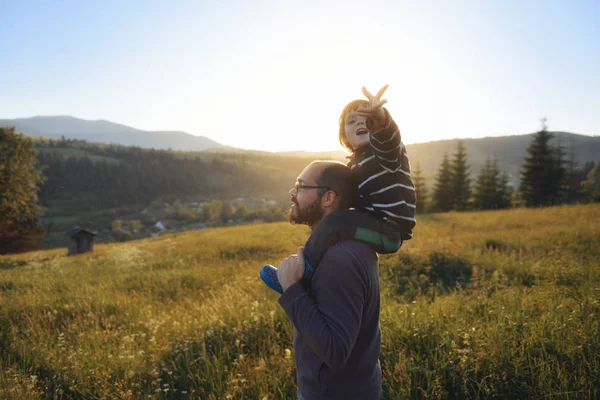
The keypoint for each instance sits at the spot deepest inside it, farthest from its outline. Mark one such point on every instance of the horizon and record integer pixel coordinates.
(339, 149)
(456, 71)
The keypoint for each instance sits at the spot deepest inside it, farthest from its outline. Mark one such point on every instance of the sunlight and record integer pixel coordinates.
(304, 88)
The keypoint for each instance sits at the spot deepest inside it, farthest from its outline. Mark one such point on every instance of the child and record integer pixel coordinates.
(384, 215)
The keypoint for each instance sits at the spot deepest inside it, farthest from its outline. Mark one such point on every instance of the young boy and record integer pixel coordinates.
(384, 213)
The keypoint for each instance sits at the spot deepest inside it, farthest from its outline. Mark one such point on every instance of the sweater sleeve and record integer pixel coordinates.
(330, 323)
(388, 147)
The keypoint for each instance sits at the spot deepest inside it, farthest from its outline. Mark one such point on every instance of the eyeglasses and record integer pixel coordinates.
(301, 185)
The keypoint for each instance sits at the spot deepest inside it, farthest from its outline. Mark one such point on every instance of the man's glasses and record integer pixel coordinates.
(301, 185)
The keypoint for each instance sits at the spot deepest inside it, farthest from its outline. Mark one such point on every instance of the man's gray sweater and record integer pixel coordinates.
(337, 337)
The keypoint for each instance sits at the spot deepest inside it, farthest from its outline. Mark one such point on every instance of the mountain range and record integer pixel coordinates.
(109, 132)
(509, 150)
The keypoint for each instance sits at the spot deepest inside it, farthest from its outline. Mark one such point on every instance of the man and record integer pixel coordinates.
(337, 337)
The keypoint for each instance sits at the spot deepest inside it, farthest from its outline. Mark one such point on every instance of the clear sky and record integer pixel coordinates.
(274, 75)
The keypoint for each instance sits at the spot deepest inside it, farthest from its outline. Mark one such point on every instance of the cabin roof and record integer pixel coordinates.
(78, 231)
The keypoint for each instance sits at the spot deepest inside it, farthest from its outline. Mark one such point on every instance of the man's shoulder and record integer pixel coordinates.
(352, 249)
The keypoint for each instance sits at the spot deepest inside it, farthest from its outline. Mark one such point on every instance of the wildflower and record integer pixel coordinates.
(288, 353)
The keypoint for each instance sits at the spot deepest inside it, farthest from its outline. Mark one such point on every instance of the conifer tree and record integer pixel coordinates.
(543, 172)
(574, 176)
(591, 186)
(485, 187)
(442, 196)
(460, 187)
(491, 189)
(420, 188)
(503, 192)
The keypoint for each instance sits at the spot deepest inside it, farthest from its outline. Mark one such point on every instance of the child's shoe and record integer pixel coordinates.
(268, 273)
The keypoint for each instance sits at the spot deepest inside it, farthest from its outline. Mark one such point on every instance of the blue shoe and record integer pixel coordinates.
(308, 270)
(268, 273)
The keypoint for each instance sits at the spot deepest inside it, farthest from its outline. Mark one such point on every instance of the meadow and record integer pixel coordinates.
(479, 305)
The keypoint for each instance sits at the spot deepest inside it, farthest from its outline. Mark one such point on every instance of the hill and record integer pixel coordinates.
(510, 151)
(103, 131)
(476, 305)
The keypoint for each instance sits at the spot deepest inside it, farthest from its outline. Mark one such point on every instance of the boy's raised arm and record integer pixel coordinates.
(384, 134)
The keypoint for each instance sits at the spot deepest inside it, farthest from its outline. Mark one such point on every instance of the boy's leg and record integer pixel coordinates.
(341, 225)
(349, 224)
(384, 237)
(268, 274)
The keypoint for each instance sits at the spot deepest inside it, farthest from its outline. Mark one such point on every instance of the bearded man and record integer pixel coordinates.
(337, 336)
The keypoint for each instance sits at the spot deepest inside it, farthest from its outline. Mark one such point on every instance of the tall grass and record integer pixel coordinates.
(498, 304)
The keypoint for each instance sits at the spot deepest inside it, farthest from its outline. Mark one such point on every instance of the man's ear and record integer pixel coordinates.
(329, 199)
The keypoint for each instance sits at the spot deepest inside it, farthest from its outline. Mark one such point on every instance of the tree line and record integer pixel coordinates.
(549, 176)
(121, 176)
(81, 176)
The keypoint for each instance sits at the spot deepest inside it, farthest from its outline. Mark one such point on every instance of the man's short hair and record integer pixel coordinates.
(339, 177)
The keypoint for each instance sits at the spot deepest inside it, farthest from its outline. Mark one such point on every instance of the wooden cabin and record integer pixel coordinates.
(83, 241)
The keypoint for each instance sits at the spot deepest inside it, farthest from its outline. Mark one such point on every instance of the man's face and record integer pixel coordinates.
(306, 202)
(355, 129)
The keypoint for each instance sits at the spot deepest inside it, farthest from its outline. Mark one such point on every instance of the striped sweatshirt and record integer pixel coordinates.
(384, 184)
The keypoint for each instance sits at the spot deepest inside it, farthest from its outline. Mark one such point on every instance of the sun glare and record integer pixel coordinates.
(304, 88)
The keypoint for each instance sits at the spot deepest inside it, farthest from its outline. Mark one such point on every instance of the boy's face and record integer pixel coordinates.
(356, 132)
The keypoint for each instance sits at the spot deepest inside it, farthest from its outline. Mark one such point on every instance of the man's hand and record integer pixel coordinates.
(376, 117)
(291, 270)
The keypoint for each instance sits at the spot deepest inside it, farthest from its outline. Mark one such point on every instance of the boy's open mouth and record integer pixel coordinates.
(361, 131)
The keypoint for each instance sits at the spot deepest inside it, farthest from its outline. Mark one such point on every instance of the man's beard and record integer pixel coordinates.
(309, 215)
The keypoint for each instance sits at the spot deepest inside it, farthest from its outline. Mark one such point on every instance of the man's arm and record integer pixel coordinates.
(330, 323)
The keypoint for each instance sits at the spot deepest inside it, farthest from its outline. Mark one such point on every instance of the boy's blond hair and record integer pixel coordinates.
(350, 107)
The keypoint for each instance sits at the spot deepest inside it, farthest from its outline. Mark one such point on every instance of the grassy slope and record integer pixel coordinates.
(188, 313)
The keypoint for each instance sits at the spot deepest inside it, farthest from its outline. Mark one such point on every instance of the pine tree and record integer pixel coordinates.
(491, 189)
(485, 187)
(420, 188)
(442, 196)
(460, 186)
(504, 193)
(574, 176)
(543, 172)
(19, 179)
(591, 186)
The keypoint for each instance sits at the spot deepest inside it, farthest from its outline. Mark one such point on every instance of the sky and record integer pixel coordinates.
(275, 75)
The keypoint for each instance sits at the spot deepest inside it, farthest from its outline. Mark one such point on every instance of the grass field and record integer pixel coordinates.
(501, 304)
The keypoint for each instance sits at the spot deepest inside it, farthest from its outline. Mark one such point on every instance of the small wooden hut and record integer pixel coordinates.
(83, 241)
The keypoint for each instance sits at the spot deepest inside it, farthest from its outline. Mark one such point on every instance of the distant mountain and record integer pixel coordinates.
(109, 132)
(510, 151)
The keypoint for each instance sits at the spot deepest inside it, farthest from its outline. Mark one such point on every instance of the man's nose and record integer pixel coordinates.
(292, 191)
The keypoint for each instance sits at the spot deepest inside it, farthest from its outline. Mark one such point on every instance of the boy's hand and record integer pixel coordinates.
(291, 270)
(374, 112)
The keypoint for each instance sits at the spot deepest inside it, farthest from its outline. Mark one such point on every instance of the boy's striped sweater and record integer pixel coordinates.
(384, 184)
